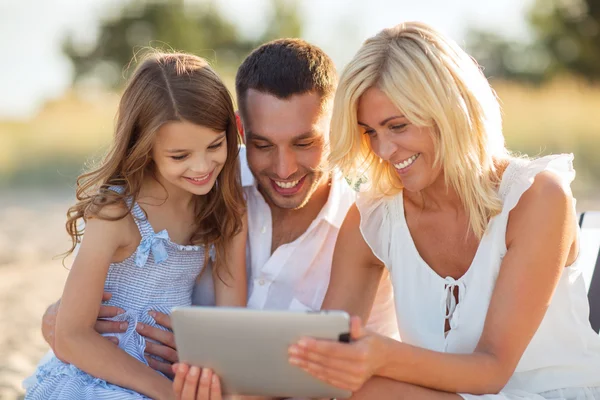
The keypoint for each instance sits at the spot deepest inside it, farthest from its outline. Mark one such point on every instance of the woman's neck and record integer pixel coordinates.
(436, 197)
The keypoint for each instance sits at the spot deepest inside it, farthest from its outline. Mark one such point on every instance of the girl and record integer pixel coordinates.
(482, 247)
(165, 200)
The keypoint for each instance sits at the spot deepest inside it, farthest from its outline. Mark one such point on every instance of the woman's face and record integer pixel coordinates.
(394, 139)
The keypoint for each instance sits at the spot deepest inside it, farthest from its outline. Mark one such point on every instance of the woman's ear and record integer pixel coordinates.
(240, 126)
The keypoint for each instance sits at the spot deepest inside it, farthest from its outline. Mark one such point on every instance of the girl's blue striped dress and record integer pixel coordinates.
(158, 276)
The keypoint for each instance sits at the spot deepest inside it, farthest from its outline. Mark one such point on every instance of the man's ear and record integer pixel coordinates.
(240, 126)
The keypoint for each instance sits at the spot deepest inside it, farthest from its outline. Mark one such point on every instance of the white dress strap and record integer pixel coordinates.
(376, 221)
(520, 174)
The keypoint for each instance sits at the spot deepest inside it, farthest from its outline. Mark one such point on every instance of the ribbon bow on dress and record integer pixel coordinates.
(153, 242)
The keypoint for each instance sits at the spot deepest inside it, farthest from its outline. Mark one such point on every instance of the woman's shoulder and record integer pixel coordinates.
(544, 176)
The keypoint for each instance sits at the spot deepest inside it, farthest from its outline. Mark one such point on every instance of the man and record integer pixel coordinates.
(285, 93)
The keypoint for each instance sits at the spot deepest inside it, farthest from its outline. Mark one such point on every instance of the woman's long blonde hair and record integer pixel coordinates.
(166, 87)
(435, 84)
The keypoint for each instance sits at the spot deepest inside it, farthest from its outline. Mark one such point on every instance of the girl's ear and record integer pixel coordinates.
(240, 126)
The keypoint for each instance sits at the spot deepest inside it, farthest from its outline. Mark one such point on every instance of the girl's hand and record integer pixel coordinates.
(344, 365)
(193, 383)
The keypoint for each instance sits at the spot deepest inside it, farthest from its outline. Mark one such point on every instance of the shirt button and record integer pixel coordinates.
(263, 230)
(261, 282)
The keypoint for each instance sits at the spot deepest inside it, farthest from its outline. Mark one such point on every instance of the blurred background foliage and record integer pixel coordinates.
(548, 86)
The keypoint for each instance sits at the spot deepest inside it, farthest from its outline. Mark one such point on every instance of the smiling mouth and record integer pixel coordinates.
(408, 162)
(199, 180)
(287, 188)
(286, 185)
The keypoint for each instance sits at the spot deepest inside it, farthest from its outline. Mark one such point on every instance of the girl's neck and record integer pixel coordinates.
(156, 191)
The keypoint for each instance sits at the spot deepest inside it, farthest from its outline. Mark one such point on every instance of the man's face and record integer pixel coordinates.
(286, 142)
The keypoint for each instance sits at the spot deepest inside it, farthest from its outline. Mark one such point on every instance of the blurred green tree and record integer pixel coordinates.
(569, 30)
(566, 38)
(195, 27)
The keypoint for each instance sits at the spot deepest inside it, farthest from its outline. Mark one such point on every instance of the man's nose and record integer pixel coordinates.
(286, 164)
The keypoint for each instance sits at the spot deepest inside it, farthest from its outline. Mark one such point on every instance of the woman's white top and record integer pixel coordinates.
(564, 352)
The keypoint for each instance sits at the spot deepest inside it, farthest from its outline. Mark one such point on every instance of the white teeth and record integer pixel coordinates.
(200, 178)
(286, 185)
(407, 162)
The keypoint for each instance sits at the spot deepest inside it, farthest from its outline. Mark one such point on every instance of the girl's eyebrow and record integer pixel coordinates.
(221, 136)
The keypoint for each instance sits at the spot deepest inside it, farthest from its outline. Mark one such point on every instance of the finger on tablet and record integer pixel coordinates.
(190, 384)
(180, 371)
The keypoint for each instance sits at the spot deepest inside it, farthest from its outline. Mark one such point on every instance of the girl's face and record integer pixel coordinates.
(395, 139)
(189, 156)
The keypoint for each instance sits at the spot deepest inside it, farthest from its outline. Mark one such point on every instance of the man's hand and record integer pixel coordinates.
(102, 326)
(166, 349)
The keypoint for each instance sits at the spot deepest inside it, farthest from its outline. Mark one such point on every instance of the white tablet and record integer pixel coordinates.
(248, 349)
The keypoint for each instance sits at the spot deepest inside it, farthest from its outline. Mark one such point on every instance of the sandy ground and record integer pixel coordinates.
(31, 235)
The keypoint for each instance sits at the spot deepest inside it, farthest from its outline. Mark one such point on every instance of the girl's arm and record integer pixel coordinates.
(76, 341)
(540, 241)
(231, 286)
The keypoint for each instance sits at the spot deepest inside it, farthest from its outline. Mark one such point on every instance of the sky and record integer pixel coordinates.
(33, 70)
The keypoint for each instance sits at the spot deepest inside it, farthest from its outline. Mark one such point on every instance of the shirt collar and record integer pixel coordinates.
(341, 198)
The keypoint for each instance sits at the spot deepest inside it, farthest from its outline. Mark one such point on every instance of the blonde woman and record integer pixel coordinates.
(481, 246)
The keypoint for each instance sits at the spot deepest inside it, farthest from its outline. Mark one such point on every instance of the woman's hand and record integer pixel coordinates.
(344, 365)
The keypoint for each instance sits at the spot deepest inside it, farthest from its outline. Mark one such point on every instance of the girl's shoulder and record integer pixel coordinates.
(116, 222)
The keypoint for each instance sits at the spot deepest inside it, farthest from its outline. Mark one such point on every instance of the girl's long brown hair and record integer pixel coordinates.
(166, 87)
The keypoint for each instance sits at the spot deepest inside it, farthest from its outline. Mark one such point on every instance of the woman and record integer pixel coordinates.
(481, 246)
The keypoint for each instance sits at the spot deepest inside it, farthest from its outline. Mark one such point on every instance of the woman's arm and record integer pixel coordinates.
(540, 241)
(76, 340)
(231, 286)
(355, 271)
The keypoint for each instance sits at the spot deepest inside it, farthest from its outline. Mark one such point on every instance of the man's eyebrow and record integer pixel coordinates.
(256, 136)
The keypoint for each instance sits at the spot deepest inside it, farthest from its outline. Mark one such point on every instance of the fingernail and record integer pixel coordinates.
(113, 339)
(303, 343)
(123, 326)
(205, 374)
(194, 371)
(293, 350)
(214, 380)
(152, 314)
(121, 311)
(294, 361)
(140, 326)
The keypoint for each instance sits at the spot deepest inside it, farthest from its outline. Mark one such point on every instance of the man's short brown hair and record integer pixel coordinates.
(286, 67)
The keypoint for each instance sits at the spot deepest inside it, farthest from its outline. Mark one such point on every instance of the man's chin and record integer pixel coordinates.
(288, 202)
